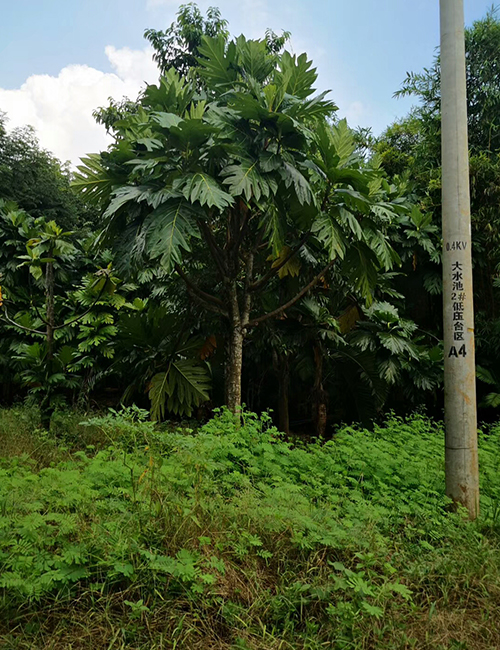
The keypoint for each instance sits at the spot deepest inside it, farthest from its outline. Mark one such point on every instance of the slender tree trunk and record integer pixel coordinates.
(45, 407)
(239, 316)
(234, 366)
(282, 369)
(49, 302)
(320, 411)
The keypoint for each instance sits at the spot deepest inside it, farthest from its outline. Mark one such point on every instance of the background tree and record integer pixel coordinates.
(36, 181)
(413, 147)
(55, 324)
(178, 47)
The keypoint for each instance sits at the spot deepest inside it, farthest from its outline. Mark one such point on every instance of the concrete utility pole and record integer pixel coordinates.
(462, 472)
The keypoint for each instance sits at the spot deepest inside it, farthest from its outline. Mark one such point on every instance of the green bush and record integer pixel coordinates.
(314, 544)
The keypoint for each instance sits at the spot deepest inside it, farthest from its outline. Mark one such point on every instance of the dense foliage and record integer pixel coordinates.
(36, 180)
(412, 148)
(231, 537)
(241, 221)
(249, 247)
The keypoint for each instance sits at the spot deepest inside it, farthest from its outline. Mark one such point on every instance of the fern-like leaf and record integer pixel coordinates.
(169, 229)
(92, 180)
(183, 387)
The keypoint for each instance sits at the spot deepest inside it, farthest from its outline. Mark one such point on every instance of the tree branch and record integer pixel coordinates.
(291, 302)
(260, 284)
(77, 318)
(214, 248)
(21, 327)
(247, 296)
(201, 295)
(207, 305)
(38, 312)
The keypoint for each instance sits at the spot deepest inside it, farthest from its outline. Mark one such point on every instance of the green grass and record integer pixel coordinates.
(232, 538)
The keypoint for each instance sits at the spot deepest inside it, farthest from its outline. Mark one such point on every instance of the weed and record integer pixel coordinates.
(236, 538)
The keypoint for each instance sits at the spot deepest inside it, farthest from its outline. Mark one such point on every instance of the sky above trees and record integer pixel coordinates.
(61, 59)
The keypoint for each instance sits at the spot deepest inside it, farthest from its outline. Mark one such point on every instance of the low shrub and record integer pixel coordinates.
(234, 537)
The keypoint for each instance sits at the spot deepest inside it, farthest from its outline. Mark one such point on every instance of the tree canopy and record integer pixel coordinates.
(35, 180)
(412, 147)
(241, 183)
(253, 246)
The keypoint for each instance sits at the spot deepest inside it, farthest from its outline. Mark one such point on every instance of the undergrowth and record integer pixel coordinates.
(234, 538)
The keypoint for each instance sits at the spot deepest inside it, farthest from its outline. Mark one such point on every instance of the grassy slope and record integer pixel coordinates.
(234, 539)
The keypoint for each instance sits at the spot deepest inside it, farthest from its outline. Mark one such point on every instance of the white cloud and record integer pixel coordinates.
(60, 108)
(133, 65)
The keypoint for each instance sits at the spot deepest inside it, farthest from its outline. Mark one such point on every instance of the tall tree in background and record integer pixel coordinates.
(178, 47)
(36, 181)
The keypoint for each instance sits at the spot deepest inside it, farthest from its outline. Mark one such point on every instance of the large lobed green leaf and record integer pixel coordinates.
(168, 231)
(202, 188)
(330, 235)
(92, 180)
(299, 74)
(184, 386)
(246, 178)
(217, 62)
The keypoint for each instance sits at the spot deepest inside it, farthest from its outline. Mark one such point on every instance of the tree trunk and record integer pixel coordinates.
(233, 370)
(49, 303)
(320, 411)
(283, 372)
(46, 409)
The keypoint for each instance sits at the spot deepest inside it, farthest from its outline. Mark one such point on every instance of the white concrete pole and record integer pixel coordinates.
(462, 473)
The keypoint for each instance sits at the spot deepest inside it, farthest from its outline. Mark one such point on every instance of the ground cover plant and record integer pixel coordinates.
(118, 533)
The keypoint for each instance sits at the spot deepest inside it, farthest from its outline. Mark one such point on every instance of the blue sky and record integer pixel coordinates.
(61, 58)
